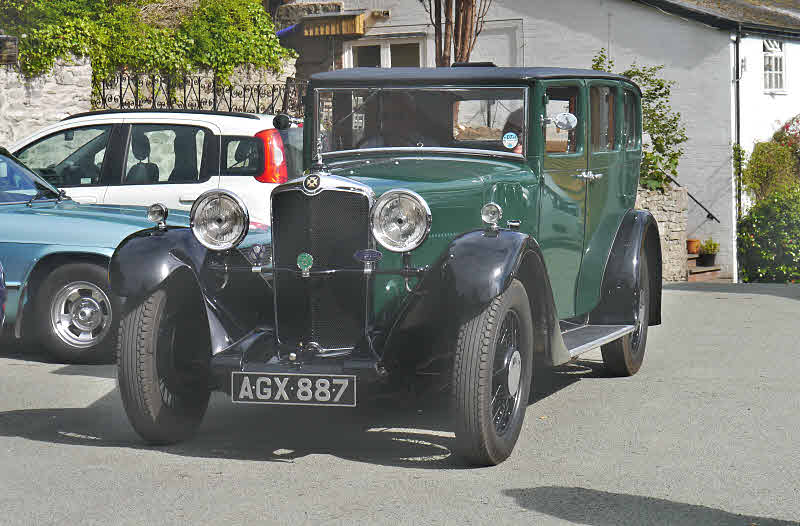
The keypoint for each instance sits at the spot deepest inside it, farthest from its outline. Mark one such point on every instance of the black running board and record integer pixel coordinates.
(588, 337)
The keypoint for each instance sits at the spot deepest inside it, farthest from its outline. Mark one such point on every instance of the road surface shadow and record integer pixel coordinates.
(779, 290)
(602, 508)
(412, 432)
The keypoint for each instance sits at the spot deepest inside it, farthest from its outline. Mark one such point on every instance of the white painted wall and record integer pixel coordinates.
(762, 113)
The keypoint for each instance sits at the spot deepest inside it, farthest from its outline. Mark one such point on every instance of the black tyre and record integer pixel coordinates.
(492, 374)
(162, 370)
(74, 314)
(623, 357)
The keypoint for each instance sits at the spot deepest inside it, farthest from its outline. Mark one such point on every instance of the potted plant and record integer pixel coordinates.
(708, 253)
(692, 246)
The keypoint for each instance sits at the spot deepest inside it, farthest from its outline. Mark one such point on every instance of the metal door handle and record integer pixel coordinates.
(188, 199)
(589, 176)
(85, 199)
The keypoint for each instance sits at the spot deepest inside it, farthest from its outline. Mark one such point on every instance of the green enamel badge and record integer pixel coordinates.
(305, 261)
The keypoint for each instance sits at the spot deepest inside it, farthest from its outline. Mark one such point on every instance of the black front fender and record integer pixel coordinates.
(146, 259)
(474, 269)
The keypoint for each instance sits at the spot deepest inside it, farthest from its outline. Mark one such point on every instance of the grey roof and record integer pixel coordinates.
(457, 75)
(767, 16)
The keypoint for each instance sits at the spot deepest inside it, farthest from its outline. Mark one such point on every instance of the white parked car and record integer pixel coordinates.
(140, 157)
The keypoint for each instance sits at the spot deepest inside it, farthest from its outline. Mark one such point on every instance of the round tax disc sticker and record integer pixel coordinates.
(510, 140)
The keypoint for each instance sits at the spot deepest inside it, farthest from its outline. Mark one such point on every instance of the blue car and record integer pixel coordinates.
(56, 253)
(2, 299)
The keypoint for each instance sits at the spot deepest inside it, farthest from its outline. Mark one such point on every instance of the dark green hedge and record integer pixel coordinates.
(769, 239)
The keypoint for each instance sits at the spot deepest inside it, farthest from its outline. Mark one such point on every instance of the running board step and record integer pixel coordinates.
(588, 337)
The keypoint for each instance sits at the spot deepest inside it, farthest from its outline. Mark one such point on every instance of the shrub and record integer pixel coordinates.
(789, 135)
(772, 167)
(769, 239)
(709, 246)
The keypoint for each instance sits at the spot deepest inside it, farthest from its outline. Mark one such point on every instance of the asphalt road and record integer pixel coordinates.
(706, 433)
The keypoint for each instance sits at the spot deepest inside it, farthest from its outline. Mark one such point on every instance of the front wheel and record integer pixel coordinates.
(492, 375)
(74, 313)
(162, 370)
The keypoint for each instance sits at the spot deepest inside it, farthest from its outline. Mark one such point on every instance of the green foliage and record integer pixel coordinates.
(769, 239)
(664, 127)
(218, 35)
(709, 246)
(789, 136)
(772, 167)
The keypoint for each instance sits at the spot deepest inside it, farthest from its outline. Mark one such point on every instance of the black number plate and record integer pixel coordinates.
(294, 389)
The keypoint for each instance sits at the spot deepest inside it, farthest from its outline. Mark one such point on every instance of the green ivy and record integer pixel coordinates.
(218, 35)
(769, 239)
(663, 125)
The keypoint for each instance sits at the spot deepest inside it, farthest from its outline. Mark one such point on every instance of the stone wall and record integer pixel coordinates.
(670, 210)
(29, 104)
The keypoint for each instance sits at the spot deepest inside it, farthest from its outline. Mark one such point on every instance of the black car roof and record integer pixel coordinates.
(459, 75)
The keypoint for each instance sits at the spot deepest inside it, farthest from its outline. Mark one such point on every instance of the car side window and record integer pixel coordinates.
(69, 158)
(561, 99)
(602, 100)
(163, 154)
(242, 156)
(630, 132)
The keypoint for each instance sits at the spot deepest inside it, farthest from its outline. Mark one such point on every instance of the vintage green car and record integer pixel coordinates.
(455, 223)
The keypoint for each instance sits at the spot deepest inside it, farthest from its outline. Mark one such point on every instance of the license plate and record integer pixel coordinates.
(294, 389)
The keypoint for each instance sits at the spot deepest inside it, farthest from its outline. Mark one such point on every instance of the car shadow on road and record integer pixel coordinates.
(602, 508)
(412, 432)
(779, 290)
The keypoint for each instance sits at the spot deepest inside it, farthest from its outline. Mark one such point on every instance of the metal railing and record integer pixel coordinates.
(141, 91)
(709, 214)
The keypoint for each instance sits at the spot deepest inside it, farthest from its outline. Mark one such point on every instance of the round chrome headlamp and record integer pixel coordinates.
(219, 219)
(400, 220)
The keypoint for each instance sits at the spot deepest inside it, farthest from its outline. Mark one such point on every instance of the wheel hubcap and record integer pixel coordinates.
(80, 314)
(507, 375)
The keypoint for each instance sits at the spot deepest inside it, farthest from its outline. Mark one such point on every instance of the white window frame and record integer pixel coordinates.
(773, 49)
(385, 42)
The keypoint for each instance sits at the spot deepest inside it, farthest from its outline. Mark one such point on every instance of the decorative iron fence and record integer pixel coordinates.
(135, 91)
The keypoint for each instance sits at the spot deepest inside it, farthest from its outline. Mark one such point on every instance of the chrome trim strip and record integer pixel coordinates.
(627, 329)
(426, 149)
(34, 202)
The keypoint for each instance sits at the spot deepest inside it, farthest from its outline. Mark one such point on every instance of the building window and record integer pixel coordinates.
(384, 53)
(773, 66)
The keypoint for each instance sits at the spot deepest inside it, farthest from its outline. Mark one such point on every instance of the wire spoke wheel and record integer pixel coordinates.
(508, 369)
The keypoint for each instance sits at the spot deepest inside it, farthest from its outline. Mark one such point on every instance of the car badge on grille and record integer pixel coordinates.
(305, 261)
(311, 183)
(368, 255)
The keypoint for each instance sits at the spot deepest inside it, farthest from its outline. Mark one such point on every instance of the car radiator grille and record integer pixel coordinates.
(331, 226)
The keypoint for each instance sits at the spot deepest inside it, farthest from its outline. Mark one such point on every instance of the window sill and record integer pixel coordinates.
(775, 92)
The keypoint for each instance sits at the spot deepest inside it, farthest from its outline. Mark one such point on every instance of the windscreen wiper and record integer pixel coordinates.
(39, 194)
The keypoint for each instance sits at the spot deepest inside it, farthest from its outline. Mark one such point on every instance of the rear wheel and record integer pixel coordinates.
(74, 314)
(624, 357)
(492, 378)
(162, 370)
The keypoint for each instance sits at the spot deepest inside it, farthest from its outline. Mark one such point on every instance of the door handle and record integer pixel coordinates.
(589, 175)
(85, 199)
(188, 199)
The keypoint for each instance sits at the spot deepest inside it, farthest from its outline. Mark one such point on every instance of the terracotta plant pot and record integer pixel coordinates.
(692, 246)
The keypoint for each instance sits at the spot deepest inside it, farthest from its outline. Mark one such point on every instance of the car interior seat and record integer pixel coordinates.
(185, 147)
(141, 172)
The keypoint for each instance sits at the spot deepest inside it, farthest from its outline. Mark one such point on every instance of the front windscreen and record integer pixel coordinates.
(17, 183)
(490, 119)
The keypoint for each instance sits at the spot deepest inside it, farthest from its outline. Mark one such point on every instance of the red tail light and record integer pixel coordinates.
(274, 157)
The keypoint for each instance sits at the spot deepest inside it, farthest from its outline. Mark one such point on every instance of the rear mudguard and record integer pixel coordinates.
(476, 268)
(153, 259)
(637, 236)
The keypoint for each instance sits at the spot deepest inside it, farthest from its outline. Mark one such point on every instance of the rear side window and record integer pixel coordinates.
(602, 102)
(630, 127)
(242, 156)
(69, 158)
(159, 153)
